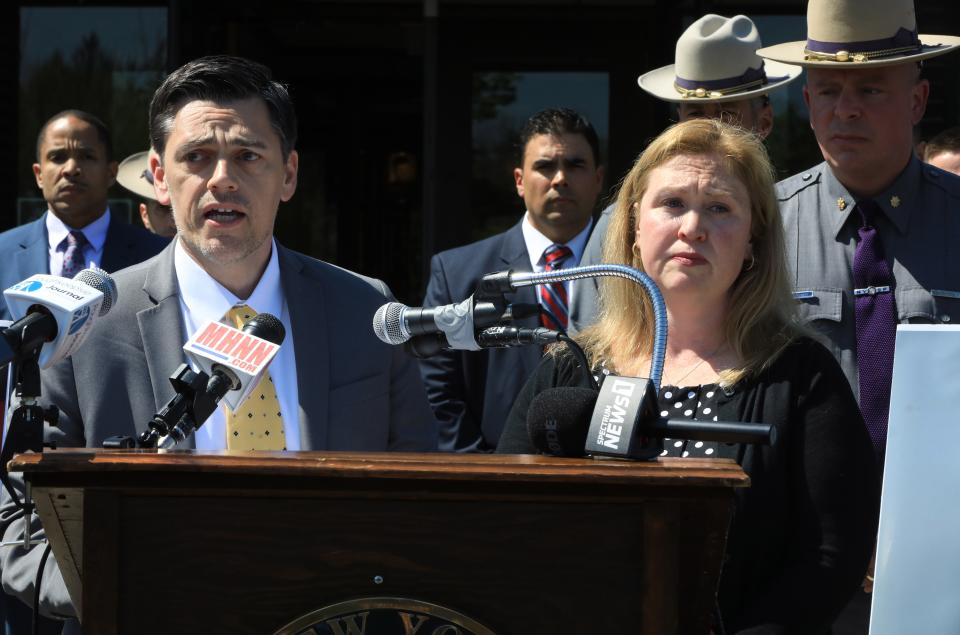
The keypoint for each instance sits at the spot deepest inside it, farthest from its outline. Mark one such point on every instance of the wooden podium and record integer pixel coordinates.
(377, 544)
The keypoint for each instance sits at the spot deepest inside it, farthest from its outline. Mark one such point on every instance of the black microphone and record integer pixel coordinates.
(223, 379)
(507, 336)
(560, 419)
(199, 393)
(395, 323)
(423, 346)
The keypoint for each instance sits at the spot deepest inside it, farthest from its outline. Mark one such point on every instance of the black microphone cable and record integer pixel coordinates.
(577, 350)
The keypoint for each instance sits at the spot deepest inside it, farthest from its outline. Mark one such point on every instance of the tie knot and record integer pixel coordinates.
(74, 239)
(238, 315)
(868, 210)
(555, 255)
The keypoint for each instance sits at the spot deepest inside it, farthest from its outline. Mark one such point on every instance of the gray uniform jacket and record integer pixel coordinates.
(355, 392)
(920, 232)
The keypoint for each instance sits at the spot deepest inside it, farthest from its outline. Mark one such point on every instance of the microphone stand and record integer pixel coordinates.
(494, 285)
(178, 418)
(25, 432)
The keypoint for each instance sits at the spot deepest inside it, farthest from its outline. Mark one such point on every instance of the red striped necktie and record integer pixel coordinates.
(553, 297)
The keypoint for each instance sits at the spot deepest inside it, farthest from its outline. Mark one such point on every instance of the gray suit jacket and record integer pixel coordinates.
(355, 392)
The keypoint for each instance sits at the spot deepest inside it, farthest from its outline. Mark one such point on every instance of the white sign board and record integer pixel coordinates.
(917, 580)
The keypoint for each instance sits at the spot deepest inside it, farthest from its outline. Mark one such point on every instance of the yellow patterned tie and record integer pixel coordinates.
(257, 423)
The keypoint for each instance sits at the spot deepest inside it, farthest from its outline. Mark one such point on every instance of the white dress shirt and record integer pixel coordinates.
(537, 243)
(95, 233)
(202, 299)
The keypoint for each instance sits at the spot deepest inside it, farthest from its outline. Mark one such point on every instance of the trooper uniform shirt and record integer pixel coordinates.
(920, 231)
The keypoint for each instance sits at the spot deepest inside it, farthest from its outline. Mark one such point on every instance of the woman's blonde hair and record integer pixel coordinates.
(761, 318)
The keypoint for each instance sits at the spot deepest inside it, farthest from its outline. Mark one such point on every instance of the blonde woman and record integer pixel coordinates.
(698, 214)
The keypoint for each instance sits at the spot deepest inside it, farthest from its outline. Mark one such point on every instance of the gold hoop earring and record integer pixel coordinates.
(753, 261)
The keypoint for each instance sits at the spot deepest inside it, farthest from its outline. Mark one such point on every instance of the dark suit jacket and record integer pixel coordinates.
(355, 392)
(471, 391)
(24, 251)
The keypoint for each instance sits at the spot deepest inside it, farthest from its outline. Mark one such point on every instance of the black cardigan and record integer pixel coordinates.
(804, 531)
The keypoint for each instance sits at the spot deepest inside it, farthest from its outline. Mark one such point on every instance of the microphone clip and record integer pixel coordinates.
(178, 417)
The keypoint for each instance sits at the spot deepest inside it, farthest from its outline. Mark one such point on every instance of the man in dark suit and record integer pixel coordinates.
(74, 170)
(559, 179)
(224, 133)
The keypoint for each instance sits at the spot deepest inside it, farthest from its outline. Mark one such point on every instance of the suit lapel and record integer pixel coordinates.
(33, 256)
(305, 297)
(161, 327)
(514, 256)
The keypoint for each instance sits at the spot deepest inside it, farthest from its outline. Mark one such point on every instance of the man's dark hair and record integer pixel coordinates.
(221, 78)
(558, 121)
(945, 141)
(103, 133)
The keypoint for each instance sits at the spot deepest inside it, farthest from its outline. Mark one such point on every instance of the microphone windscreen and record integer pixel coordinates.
(558, 420)
(266, 327)
(387, 323)
(102, 282)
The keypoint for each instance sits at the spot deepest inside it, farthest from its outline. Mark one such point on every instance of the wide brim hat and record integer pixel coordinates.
(860, 33)
(716, 61)
(134, 174)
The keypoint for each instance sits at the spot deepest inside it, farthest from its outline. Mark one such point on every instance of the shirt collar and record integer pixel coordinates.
(95, 232)
(208, 300)
(895, 201)
(537, 243)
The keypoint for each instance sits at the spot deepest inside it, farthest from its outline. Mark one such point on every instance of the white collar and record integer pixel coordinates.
(537, 243)
(95, 232)
(207, 299)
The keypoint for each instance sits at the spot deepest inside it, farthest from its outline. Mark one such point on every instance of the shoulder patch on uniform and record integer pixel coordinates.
(791, 186)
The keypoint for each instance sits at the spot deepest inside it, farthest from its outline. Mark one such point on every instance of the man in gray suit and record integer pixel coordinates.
(224, 133)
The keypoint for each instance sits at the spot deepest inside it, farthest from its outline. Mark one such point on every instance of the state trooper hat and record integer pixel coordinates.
(716, 61)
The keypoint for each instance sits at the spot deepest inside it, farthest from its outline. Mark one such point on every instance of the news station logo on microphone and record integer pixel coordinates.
(623, 404)
(72, 304)
(80, 318)
(28, 286)
(216, 344)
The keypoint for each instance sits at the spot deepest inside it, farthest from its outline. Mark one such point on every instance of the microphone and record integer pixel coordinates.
(395, 323)
(54, 314)
(509, 336)
(423, 346)
(236, 359)
(557, 420)
(575, 421)
(242, 358)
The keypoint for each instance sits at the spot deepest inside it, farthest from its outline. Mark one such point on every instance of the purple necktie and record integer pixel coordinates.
(553, 297)
(876, 325)
(73, 260)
